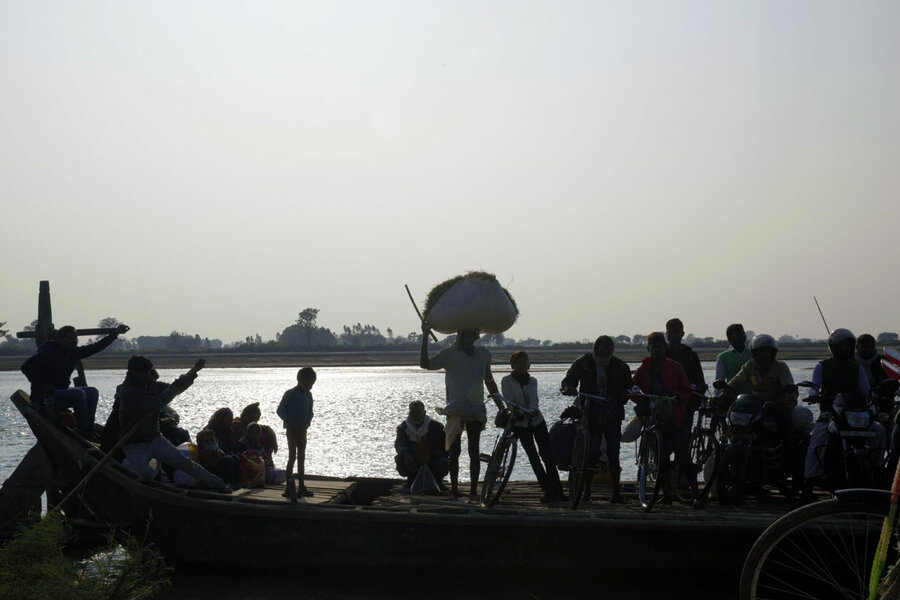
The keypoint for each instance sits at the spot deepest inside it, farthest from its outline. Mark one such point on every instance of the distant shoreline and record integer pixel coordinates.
(371, 358)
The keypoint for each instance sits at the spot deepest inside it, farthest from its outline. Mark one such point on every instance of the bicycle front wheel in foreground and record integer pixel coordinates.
(498, 470)
(650, 454)
(577, 466)
(820, 551)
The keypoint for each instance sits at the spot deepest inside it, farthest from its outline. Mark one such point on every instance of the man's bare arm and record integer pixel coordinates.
(424, 362)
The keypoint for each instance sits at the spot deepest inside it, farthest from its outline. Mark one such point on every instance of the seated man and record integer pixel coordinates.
(420, 441)
(840, 374)
(764, 374)
(49, 371)
(140, 402)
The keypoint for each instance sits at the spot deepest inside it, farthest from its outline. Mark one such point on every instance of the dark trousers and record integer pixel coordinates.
(546, 473)
(439, 467)
(678, 440)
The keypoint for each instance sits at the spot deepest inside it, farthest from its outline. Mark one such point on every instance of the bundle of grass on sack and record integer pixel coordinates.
(475, 300)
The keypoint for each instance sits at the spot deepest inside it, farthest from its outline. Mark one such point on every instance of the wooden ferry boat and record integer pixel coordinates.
(362, 522)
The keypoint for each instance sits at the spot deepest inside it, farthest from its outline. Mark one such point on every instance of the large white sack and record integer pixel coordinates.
(475, 301)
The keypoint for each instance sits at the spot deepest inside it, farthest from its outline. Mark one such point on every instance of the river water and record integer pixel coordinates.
(357, 410)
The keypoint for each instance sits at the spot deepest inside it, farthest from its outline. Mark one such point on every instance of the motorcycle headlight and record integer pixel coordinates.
(857, 419)
(739, 419)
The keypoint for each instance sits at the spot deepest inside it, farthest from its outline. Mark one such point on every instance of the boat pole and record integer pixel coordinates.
(122, 441)
(418, 312)
(827, 330)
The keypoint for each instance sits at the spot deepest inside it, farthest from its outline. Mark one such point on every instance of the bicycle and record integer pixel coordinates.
(705, 446)
(503, 457)
(651, 450)
(823, 550)
(581, 449)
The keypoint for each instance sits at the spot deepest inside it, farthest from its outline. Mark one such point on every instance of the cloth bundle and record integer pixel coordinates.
(472, 301)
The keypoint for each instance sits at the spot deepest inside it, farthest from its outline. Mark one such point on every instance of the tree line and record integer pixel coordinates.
(305, 334)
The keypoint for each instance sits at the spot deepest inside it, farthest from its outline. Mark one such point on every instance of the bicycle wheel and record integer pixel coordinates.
(702, 441)
(650, 454)
(498, 470)
(577, 468)
(820, 551)
(710, 471)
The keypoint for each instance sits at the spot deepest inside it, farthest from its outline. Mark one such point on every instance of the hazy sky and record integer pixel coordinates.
(216, 167)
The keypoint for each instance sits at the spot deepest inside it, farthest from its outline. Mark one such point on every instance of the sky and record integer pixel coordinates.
(217, 167)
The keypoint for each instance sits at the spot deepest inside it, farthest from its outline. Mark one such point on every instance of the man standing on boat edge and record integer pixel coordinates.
(466, 369)
(49, 371)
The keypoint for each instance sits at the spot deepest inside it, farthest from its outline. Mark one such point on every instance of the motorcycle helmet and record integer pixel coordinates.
(841, 335)
(763, 340)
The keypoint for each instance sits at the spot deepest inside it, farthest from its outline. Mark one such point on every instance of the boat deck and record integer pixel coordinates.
(523, 498)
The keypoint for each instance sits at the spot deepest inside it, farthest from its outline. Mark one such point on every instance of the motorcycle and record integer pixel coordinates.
(752, 452)
(854, 454)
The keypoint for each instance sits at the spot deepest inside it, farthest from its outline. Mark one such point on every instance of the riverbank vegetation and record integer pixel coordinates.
(34, 565)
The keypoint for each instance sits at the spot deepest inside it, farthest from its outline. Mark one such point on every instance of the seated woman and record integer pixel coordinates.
(251, 443)
(252, 414)
(220, 423)
(214, 460)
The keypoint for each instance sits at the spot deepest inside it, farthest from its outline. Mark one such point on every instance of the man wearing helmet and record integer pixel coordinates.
(840, 374)
(766, 375)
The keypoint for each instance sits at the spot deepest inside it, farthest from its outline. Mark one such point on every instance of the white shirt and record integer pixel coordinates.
(525, 396)
(464, 380)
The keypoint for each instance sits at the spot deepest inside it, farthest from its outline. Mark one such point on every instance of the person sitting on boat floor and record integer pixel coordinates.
(49, 371)
(296, 412)
(140, 404)
(520, 388)
(599, 373)
(220, 422)
(662, 376)
(420, 441)
(252, 442)
(252, 414)
(211, 458)
(466, 367)
(729, 362)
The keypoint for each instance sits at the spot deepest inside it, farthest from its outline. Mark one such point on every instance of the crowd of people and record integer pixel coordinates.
(143, 430)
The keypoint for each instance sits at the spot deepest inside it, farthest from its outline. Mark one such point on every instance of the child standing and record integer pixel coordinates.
(296, 410)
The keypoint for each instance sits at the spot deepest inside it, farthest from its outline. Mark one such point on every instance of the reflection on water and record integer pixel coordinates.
(357, 410)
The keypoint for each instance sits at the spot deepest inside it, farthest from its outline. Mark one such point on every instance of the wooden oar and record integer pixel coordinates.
(421, 318)
(104, 460)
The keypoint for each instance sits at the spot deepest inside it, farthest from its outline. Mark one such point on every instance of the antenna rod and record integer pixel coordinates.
(827, 330)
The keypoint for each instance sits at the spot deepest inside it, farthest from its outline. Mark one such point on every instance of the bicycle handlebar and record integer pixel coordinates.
(527, 411)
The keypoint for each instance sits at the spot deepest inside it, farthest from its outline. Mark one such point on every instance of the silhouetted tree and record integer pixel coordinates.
(306, 321)
(886, 337)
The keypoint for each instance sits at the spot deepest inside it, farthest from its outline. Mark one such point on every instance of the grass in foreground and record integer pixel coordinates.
(33, 566)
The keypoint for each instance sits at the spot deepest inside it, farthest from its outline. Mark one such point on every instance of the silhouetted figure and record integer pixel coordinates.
(138, 396)
(49, 372)
(420, 441)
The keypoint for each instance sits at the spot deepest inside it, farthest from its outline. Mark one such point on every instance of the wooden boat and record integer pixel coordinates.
(359, 523)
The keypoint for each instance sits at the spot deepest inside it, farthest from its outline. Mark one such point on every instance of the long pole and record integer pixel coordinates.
(103, 461)
(827, 330)
(421, 318)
